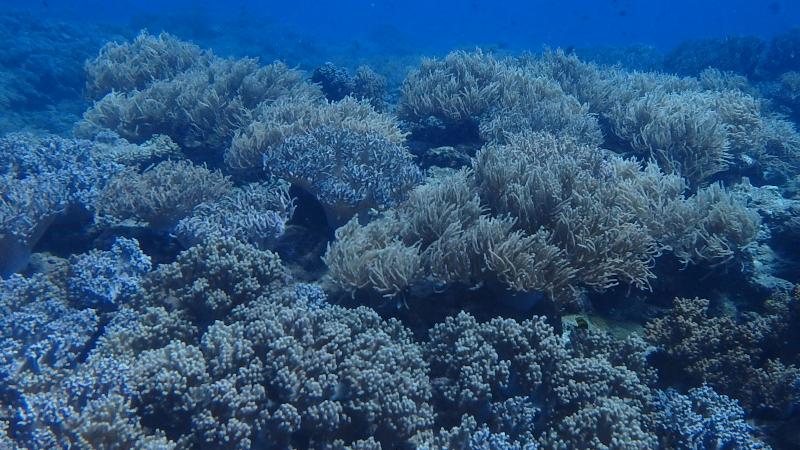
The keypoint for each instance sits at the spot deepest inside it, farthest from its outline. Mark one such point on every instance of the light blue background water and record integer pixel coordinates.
(444, 24)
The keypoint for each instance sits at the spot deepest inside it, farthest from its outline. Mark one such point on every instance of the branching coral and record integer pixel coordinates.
(162, 195)
(27, 209)
(736, 357)
(538, 387)
(136, 64)
(345, 170)
(102, 280)
(53, 395)
(42, 178)
(195, 98)
(256, 213)
(221, 348)
(539, 214)
(210, 279)
(350, 157)
(337, 84)
(266, 367)
(703, 419)
(518, 383)
(466, 90)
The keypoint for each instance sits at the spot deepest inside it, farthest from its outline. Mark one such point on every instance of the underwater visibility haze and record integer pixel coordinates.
(399, 224)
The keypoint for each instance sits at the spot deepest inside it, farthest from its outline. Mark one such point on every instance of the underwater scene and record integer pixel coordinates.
(399, 224)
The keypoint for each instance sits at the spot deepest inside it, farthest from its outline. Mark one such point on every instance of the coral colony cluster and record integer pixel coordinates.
(510, 252)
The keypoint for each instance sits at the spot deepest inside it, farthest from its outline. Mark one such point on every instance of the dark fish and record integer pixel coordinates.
(622, 13)
(775, 7)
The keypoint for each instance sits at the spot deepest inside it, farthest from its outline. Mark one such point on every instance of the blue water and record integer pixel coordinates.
(399, 225)
(440, 26)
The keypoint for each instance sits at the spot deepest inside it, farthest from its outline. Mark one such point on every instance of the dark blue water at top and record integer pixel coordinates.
(442, 25)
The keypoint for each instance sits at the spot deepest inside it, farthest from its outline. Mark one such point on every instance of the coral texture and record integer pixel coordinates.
(540, 214)
(44, 177)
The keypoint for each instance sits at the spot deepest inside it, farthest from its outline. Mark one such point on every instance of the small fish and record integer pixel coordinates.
(775, 8)
(622, 13)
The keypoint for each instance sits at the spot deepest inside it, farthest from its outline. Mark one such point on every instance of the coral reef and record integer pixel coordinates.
(238, 254)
